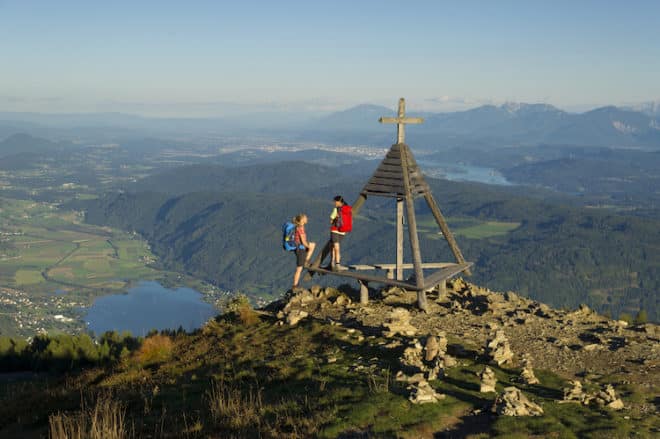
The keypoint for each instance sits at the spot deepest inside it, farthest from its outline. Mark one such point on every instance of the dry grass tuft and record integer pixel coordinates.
(241, 308)
(104, 421)
(155, 349)
(231, 410)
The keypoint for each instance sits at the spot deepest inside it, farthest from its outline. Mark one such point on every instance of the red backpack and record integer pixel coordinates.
(345, 219)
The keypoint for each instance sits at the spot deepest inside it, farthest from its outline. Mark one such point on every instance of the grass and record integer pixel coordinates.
(236, 378)
(106, 420)
(28, 277)
(487, 229)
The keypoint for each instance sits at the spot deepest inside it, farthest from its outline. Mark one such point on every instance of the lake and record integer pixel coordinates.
(462, 172)
(149, 306)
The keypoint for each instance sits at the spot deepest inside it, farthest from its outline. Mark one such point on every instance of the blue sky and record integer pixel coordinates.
(205, 57)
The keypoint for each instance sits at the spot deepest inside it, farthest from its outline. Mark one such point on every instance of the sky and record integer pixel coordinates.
(208, 58)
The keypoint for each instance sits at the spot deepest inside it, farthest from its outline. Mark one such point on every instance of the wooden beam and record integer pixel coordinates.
(440, 276)
(398, 120)
(442, 223)
(412, 232)
(366, 277)
(399, 239)
(409, 265)
(364, 292)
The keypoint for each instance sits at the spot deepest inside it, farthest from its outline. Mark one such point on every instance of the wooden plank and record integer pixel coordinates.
(361, 267)
(397, 182)
(392, 162)
(389, 168)
(444, 274)
(402, 120)
(408, 266)
(384, 194)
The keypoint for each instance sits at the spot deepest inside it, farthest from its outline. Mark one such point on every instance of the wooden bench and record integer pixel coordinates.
(355, 271)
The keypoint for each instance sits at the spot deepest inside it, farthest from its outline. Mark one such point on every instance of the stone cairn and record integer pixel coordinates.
(488, 380)
(498, 349)
(512, 402)
(575, 393)
(527, 374)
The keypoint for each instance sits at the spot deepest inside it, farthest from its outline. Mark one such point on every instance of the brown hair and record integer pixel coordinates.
(297, 220)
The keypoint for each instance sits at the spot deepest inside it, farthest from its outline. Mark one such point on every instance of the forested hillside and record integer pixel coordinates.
(557, 254)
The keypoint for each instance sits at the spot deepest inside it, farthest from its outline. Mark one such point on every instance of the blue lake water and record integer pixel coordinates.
(149, 306)
(462, 172)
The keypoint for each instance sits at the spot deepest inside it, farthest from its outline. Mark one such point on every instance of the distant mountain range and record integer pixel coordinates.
(510, 124)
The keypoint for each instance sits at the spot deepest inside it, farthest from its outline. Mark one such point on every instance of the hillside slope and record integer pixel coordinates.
(320, 365)
(560, 255)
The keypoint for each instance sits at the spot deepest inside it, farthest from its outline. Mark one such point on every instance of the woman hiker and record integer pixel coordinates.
(304, 248)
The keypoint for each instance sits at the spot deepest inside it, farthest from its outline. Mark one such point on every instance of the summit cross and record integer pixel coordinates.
(401, 120)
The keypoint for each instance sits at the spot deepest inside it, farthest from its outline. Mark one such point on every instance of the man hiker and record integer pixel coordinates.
(341, 222)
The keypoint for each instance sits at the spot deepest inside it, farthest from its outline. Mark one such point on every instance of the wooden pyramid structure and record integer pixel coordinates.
(398, 176)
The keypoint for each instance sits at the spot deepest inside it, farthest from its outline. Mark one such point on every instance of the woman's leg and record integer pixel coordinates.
(310, 250)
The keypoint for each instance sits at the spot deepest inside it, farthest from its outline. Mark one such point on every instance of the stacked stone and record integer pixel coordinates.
(498, 349)
(527, 373)
(512, 402)
(488, 380)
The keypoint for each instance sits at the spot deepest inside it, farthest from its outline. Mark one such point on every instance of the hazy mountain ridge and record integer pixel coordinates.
(516, 123)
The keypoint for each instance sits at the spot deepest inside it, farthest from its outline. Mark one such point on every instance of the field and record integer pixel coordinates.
(46, 250)
(54, 249)
(470, 228)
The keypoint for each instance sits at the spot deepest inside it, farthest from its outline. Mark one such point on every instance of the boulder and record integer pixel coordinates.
(296, 316)
(431, 349)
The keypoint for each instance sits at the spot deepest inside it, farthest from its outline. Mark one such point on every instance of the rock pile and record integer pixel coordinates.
(512, 402)
(498, 349)
(488, 380)
(420, 390)
(574, 393)
(436, 349)
(398, 322)
(604, 398)
(607, 397)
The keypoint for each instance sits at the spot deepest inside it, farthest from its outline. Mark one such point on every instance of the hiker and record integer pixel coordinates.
(304, 248)
(340, 224)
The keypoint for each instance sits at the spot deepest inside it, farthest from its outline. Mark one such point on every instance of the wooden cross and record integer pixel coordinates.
(401, 120)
